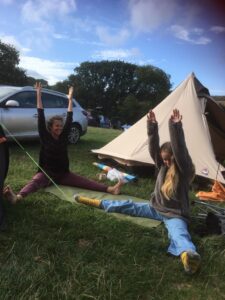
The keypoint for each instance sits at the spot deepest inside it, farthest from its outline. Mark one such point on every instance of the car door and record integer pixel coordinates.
(21, 121)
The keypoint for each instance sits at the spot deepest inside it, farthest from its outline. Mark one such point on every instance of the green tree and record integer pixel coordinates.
(62, 86)
(103, 84)
(129, 110)
(151, 84)
(10, 73)
(110, 85)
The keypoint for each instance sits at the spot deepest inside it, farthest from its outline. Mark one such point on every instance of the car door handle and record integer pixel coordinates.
(35, 115)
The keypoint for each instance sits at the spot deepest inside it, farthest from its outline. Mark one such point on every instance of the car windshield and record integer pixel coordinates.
(6, 90)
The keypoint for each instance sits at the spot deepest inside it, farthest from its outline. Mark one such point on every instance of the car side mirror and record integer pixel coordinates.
(12, 103)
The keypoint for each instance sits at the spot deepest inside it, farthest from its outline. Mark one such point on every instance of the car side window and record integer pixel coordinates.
(25, 99)
(53, 101)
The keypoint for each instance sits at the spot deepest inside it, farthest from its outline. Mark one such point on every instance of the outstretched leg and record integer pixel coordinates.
(182, 245)
(72, 179)
(127, 207)
(38, 181)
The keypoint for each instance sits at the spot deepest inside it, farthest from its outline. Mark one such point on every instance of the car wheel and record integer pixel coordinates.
(74, 134)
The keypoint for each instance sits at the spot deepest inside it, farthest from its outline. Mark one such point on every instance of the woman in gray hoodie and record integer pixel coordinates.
(169, 203)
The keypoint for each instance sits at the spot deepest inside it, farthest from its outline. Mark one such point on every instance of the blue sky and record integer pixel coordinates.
(178, 36)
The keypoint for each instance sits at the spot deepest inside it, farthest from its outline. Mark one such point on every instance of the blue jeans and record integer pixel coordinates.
(180, 239)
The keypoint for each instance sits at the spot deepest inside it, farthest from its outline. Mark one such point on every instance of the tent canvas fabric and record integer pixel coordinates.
(204, 129)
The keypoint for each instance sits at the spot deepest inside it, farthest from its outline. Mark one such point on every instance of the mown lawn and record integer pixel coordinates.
(53, 249)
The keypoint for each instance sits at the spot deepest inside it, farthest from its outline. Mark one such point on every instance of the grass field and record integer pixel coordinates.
(53, 249)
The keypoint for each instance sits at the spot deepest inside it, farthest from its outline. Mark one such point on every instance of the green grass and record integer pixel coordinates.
(55, 250)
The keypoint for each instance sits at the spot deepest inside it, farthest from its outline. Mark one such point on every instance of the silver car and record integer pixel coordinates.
(18, 112)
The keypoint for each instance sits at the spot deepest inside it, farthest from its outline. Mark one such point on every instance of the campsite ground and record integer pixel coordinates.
(53, 249)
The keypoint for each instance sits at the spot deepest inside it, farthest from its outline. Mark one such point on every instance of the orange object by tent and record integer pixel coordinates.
(217, 193)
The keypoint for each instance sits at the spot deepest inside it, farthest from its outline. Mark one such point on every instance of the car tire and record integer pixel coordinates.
(74, 134)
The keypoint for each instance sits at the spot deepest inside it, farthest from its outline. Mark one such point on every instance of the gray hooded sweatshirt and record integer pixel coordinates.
(178, 204)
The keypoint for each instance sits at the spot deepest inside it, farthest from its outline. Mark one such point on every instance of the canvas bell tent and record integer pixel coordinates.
(204, 128)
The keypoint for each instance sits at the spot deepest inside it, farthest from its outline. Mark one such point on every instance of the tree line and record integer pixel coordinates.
(116, 89)
(10, 72)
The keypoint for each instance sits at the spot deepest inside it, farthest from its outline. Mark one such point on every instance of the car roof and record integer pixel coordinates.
(31, 88)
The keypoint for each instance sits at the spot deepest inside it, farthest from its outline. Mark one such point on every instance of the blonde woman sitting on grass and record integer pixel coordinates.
(169, 202)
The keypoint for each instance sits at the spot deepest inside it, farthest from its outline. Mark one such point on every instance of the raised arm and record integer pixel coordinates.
(70, 99)
(153, 139)
(41, 116)
(178, 143)
(38, 88)
(69, 118)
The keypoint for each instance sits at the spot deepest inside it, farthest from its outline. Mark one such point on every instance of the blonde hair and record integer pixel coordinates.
(172, 176)
(171, 181)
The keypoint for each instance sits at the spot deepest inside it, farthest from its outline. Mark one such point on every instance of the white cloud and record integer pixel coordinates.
(147, 15)
(152, 61)
(45, 18)
(10, 39)
(52, 71)
(78, 40)
(190, 36)
(39, 38)
(35, 74)
(115, 54)
(41, 10)
(112, 40)
(217, 29)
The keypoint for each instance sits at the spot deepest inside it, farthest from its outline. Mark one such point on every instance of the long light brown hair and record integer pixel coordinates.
(172, 176)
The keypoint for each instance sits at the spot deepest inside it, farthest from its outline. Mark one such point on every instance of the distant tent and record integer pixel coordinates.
(204, 127)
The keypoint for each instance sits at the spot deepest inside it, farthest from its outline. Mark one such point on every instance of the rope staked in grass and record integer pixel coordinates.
(18, 143)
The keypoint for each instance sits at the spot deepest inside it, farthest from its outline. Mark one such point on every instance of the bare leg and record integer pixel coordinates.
(11, 196)
(115, 189)
(72, 179)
